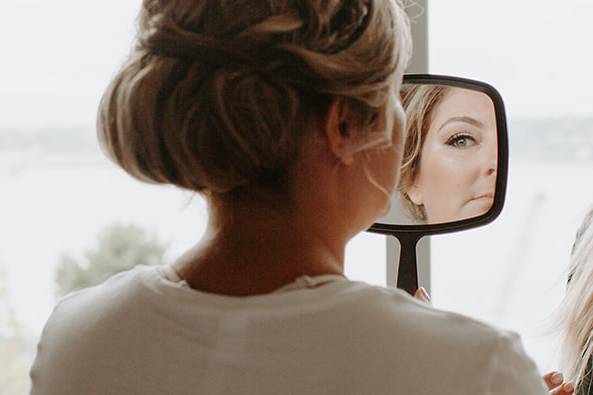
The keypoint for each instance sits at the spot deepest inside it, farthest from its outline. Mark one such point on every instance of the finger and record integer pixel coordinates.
(418, 294)
(426, 295)
(564, 389)
(422, 295)
(553, 379)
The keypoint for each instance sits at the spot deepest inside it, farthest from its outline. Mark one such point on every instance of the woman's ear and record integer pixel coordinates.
(415, 195)
(338, 130)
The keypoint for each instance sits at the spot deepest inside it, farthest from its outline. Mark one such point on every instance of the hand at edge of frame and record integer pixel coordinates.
(422, 295)
(555, 382)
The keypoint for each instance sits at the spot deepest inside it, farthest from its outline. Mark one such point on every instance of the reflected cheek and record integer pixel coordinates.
(447, 181)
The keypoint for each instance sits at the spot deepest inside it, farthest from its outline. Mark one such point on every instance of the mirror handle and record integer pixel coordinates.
(407, 273)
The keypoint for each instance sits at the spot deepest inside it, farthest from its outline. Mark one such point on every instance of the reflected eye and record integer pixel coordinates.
(461, 141)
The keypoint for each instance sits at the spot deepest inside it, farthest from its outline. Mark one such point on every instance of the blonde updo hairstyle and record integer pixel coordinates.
(419, 102)
(217, 95)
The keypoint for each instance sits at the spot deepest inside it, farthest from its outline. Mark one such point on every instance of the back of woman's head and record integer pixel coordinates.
(218, 94)
(576, 312)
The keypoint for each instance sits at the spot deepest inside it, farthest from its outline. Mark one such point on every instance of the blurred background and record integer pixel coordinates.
(69, 218)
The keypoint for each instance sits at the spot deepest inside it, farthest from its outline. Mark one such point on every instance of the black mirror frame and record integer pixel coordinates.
(408, 235)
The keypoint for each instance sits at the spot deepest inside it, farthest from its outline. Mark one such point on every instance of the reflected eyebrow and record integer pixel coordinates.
(470, 120)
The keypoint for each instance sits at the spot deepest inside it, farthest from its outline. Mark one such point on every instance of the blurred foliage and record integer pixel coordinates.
(16, 358)
(16, 346)
(9, 325)
(119, 248)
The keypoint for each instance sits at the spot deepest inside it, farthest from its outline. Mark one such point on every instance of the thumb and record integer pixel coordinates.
(422, 295)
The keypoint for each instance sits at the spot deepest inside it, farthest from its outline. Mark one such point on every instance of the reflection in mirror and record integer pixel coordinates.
(449, 164)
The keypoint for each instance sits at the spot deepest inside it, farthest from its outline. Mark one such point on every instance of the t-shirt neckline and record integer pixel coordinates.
(161, 281)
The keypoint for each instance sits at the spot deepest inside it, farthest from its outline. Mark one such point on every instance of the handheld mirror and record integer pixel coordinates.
(454, 168)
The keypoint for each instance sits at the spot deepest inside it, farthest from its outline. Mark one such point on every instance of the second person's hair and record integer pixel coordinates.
(576, 310)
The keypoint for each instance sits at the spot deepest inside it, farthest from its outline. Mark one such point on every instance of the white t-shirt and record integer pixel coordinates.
(142, 333)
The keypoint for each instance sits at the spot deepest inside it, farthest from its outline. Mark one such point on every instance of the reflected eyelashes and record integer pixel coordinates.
(461, 140)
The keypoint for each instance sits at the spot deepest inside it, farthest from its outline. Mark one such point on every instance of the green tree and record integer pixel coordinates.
(120, 247)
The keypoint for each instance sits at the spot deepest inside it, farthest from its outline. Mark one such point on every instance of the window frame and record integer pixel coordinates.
(418, 65)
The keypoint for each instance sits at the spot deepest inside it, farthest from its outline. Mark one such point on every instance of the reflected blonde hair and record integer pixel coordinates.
(576, 311)
(217, 95)
(418, 102)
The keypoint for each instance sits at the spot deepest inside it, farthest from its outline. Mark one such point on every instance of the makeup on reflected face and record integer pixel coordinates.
(457, 174)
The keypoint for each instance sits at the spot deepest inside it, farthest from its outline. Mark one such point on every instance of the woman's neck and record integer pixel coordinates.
(250, 249)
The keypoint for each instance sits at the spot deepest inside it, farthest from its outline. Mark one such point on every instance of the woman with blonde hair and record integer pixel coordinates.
(284, 116)
(450, 157)
(576, 311)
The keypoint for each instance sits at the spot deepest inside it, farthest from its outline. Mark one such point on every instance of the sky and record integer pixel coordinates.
(537, 53)
(59, 55)
(58, 58)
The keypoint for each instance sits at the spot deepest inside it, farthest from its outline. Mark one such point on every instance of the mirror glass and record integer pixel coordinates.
(449, 165)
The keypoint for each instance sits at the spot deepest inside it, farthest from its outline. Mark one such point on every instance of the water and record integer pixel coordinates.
(510, 273)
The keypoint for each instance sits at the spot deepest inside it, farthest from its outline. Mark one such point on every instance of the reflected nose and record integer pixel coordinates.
(491, 162)
(489, 175)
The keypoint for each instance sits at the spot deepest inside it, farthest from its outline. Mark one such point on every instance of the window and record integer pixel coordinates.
(512, 273)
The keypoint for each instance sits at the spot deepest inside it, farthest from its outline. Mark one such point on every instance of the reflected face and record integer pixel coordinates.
(458, 160)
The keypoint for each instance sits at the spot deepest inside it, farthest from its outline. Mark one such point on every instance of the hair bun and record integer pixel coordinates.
(349, 23)
(166, 38)
(217, 95)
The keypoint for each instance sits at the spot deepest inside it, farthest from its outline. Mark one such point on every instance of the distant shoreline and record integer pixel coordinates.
(554, 140)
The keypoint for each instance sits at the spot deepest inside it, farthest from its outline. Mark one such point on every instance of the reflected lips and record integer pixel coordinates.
(486, 196)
